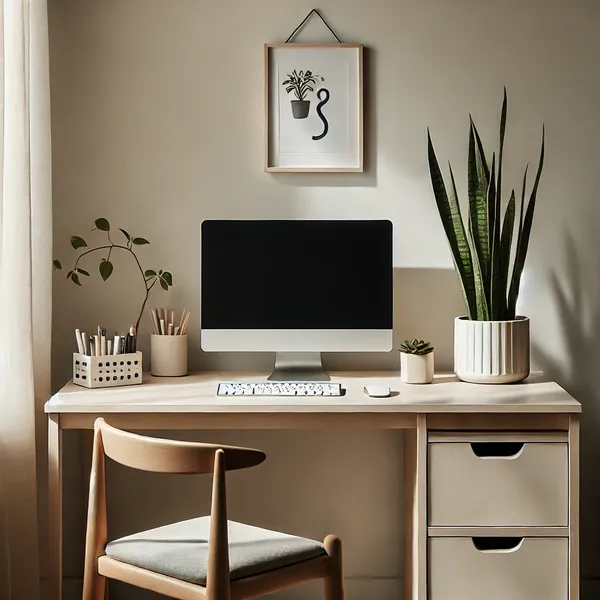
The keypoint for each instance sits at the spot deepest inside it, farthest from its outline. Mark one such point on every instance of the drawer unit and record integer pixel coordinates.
(498, 568)
(499, 482)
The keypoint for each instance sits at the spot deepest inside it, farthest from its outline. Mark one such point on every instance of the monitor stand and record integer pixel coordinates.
(298, 366)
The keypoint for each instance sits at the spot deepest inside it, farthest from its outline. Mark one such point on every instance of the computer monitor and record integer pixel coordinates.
(296, 288)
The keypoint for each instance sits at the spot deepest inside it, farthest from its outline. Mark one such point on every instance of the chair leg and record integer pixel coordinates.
(334, 581)
(94, 587)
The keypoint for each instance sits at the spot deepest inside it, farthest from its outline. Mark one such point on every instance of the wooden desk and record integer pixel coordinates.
(535, 412)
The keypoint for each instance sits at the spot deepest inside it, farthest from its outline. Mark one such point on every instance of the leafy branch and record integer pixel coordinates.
(149, 276)
(301, 83)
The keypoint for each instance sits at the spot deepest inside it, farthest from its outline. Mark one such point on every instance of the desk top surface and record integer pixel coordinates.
(196, 393)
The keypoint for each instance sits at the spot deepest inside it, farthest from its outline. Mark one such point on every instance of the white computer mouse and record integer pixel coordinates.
(377, 391)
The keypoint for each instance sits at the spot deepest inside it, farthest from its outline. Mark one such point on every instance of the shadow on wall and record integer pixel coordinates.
(425, 304)
(578, 312)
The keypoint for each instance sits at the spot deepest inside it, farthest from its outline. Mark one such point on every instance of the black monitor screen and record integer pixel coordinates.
(296, 275)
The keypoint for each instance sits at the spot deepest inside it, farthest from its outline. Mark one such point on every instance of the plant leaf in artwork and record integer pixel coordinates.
(150, 273)
(82, 271)
(69, 274)
(125, 234)
(57, 264)
(106, 269)
(140, 241)
(102, 224)
(168, 277)
(286, 82)
(163, 284)
(75, 279)
(78, 242)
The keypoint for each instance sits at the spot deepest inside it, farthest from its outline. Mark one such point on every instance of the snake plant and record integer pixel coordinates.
(483, 252)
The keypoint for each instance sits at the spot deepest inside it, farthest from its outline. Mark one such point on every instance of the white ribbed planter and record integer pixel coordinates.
(491, 351)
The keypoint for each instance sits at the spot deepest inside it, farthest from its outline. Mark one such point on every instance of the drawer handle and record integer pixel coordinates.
(497, 544)
(497, 449)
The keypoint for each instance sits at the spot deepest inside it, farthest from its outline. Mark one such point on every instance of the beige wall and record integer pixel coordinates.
(158, 124)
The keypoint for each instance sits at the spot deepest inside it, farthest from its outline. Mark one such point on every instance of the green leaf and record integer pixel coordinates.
(106, 269)
(497, 290)
(75, 279)
(78, 242)
(102, 224)
(125, 234)
(500, 161)
(139, 241)
(57, 264)
(523, 241)
(168, 277)
(150, 273)
(478, 216)
(455, 231)
(82, 271)
(506, 245)
(481, 153)
(163, 284)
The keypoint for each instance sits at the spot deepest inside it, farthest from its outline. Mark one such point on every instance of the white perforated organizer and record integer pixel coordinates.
(107, 371)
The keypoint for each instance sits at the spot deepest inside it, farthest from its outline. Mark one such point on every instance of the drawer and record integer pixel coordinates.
(496, 483)
(498, 568)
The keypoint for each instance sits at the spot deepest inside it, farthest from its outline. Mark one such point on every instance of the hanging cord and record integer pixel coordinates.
(308, 16)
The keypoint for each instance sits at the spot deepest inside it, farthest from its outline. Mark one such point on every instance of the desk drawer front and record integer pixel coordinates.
(498, 483)
(498, 568)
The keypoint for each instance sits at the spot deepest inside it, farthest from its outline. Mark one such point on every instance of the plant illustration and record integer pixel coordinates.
(149, 277)
(416, 346)
(301, 83)
(482, 253)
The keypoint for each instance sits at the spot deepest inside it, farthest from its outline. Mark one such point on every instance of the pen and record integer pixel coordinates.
(80, 347)
(133, 334)
(84, 341)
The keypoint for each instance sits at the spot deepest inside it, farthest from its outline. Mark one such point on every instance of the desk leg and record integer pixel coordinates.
(574, 567)
(55, 504)
(415, 511)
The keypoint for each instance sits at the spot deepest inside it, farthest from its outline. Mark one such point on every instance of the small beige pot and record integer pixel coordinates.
(168, 355)
(491, 351)
(415, 368)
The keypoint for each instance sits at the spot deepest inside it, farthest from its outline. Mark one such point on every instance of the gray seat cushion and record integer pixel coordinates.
(180, 550)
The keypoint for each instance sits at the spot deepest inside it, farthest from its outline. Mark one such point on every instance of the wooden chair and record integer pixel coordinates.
(209, 557)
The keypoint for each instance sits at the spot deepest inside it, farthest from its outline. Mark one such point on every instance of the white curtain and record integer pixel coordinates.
(25, 295)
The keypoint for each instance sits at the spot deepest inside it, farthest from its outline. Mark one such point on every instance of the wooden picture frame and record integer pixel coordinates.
(314, 112)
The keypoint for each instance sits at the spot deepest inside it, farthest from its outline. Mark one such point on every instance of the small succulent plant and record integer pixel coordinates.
(416, 347)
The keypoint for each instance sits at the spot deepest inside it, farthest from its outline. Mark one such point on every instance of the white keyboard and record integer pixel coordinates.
(279, 388)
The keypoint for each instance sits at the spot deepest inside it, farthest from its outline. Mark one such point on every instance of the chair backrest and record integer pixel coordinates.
(170, 456)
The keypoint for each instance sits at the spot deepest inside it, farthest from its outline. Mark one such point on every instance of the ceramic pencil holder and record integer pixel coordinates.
(107, 371)
(168, 356)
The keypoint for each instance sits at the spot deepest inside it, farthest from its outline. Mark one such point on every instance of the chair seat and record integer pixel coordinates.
(180, 550)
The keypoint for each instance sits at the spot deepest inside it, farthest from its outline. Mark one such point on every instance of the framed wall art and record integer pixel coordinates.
(314, 108)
